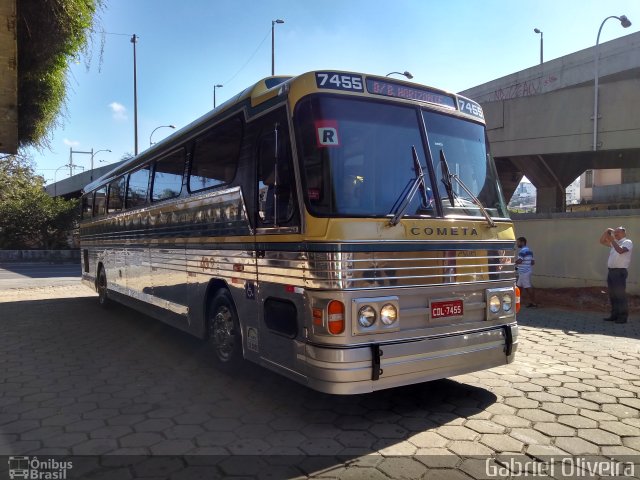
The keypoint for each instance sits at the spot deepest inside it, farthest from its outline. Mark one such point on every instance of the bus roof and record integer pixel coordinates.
(339, 82)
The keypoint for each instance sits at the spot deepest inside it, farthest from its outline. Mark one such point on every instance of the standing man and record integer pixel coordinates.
(524, 264)
(618, 263)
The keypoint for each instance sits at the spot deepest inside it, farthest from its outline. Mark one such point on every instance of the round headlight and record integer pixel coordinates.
(388, 314)
(506, 303)
(494, 304)
(366, 316)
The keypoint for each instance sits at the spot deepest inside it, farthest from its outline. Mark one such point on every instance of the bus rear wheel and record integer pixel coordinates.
(101, 287)
(224, 332)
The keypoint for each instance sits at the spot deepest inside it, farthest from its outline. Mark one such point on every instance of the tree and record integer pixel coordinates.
(50, 34)
(29, 217)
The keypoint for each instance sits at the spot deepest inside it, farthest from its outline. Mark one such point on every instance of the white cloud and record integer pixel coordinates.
(119, 111)
(71, 143)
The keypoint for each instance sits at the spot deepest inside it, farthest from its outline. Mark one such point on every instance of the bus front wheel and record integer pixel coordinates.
(101, 286)
(224, 332)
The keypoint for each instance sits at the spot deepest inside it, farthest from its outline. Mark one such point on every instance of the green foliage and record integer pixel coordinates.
(51, 33)
(29, 217)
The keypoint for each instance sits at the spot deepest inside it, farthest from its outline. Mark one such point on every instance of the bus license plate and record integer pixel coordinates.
(449, 308)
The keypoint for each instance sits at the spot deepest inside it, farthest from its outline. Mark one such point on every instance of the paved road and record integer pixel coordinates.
(78, 380)
(21, 275)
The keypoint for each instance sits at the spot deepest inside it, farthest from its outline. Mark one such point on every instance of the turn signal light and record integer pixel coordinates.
(317, 316)
(517, 299)
(336, 317)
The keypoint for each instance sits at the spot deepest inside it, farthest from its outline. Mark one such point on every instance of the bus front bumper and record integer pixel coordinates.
(373, 367)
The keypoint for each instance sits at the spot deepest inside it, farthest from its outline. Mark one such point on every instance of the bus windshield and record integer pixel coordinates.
(460, 159)
(358, 160)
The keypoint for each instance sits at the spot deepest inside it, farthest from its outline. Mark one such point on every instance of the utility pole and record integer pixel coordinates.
(71, 165)
(135, 95)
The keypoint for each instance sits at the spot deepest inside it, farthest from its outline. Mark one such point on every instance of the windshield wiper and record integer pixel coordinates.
(446, 177)
(418, 182)
(447, 183)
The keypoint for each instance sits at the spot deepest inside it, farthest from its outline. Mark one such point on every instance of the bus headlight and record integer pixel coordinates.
(494, 304)
(501, 302)
(366, 316)
(506, 303)
(388, 314)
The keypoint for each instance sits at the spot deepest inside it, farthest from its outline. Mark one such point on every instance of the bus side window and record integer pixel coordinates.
(167, 176)
(215, 159)
(276, 183)
(87, 205)
(115, 201)
(100, 202)
(137, 188)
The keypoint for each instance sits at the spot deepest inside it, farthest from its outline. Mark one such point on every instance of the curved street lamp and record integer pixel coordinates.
(93, 154)
(537, 30)
(625, 22)
(405, 74)
(214, 93)
(55, 184)
(273, 42)
(161, 126)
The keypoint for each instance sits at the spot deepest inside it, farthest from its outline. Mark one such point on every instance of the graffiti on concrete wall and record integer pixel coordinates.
(524, 89)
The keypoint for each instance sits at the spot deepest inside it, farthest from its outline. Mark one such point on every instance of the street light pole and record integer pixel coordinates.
(93, 154)
(273, 45)
(625, 22)
(537, 30)
(135, 95)
(214, 93)
(404, 74)
(55, 182)
(153, 131)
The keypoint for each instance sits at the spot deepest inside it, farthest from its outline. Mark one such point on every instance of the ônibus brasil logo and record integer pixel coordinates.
(35, 469)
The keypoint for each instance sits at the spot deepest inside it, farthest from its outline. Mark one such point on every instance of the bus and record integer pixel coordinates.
(345, 230)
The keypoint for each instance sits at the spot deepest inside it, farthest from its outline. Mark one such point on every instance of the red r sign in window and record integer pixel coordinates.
(327, 133)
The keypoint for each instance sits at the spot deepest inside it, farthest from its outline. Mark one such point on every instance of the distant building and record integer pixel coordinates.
(610, 189)
(572, 192)
(524, 197)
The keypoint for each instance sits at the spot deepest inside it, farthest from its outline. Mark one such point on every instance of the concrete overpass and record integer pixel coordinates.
(540, 120)
(8, 77)
(72, 186)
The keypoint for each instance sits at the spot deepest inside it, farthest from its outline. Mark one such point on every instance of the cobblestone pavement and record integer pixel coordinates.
(77, 380)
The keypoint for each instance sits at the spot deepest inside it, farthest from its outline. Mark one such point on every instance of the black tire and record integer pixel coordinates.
(224, 337)
(101, 288)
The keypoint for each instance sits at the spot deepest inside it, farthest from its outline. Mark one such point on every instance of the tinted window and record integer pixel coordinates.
(137, 188)
(167, 176)
(87, 205)
(276, 203)
(357, 157)
(100, 202)
(215, 158)
(116, 195)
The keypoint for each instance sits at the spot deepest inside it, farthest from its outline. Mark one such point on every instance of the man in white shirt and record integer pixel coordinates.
(618, 264)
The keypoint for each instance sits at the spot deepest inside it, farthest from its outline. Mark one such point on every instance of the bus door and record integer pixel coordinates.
(277, 221)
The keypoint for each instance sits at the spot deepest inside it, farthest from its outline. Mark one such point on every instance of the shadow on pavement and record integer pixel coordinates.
(44, 269)
(80, 380)
(573, 322)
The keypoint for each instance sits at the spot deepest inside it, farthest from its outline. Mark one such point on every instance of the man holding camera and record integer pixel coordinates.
(618, 263)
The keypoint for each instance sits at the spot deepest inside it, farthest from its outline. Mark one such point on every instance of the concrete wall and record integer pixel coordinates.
(53, 256)
(567, 250)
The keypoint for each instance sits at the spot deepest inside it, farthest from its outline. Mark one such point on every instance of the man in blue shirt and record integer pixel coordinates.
(524, 265)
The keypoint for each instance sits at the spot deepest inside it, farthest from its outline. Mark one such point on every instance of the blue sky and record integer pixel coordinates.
(186, 47)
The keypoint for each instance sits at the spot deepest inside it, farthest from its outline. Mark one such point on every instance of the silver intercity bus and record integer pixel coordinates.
(345, 230)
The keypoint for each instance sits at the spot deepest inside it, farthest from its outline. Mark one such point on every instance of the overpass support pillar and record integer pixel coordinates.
(550, 199)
